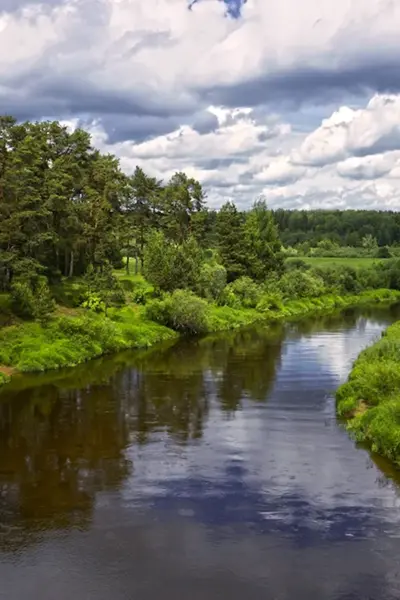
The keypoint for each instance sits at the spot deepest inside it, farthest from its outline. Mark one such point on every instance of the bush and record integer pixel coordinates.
(270, 301)
(43, 304)
(103, 284)
(170, 266)
(22, 299)
(301, 284)
(297, 263)
(242, 293)
(212, 280)
(32, 302)
(339, 279)
(4, 378)
(181, 310)
(383, 252)
(94, 303)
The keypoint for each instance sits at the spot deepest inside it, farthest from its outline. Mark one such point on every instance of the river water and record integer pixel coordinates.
(208, 469)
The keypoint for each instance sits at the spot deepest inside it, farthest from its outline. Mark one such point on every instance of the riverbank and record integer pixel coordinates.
(79, 336)
(370, 399)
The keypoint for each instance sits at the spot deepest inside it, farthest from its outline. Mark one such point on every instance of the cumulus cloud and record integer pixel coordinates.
(228, 90)
(280, 172)
(87, 54)
(368, 167)
(372, 130)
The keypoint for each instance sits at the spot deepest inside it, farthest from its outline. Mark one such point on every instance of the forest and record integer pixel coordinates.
(342, 227)
(93, 260)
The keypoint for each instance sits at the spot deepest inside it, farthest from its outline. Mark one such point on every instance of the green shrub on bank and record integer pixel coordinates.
(32, 301)
(370, 399)
(301, 284)
(211, 281)
(181, 310)
(241, 293)
(3, 378)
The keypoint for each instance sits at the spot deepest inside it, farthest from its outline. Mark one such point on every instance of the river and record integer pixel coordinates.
(209, 469)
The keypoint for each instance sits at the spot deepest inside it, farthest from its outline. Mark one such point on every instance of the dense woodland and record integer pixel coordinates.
(68, 213)
(65, 207)
(343, 227)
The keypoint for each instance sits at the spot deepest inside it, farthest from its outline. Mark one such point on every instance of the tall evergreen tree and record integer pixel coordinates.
(231, 240)
(263, 246)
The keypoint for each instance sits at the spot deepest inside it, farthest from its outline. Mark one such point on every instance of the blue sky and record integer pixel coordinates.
(296, 101)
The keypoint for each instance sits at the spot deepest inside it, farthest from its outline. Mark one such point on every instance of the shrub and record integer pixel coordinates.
(22, 299)
(94, 303)
(211, 281)
(170, 266)
(339, 279)
(103, 283)
(32, 302)
(43, 304)
(271, 301)
(3, 378)
(383, 252)
(242, 292)
(181, 310)
(297, 263)
(301, 284)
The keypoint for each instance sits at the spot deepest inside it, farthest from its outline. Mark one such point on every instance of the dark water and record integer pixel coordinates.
(209, 469)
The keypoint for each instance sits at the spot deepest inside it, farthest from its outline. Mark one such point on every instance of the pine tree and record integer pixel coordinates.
(231, 241)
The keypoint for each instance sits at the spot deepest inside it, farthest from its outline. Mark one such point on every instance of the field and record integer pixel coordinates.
(356, 263)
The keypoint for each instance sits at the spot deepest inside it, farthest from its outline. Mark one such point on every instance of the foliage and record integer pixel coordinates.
(306, 228)
(242, 293)
(301, 284)
(297, 263)
(270, 302)
(169, 265)
(383, 252)
(22, 299)
(32, 302)
(262, 243)
(181, 310)
(43, 304)
(370, 399)
(231, 240)
(211, 281)
(94, 303)
(68, 341)
(4, 378)
(102, 288)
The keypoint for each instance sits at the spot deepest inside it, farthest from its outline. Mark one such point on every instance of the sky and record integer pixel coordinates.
(295, 101)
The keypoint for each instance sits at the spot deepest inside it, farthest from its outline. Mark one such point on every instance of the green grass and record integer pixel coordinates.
(370, 400)
(355, 263)
(69, 340)
(75, 336)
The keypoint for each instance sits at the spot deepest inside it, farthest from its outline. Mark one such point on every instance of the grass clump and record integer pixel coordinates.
(370, 399)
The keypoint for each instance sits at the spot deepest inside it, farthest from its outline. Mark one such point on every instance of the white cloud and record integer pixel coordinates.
(172, 89)
(280, 171)
(368, 167)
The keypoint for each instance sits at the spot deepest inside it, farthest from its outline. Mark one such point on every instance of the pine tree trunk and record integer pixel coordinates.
(71, 264)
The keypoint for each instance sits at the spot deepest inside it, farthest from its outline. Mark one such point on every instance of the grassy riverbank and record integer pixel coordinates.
(77, 336)
(370, 400)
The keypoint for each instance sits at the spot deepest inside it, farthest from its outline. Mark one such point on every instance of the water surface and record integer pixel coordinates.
(207, 469)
